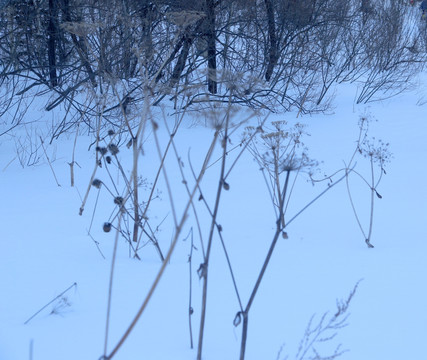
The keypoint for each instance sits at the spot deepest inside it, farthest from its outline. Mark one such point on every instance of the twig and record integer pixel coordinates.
(31, 349)
(50, 302)
(72, 159)
(190, 305)
(96, 244)
(110, 287)
(48, 160)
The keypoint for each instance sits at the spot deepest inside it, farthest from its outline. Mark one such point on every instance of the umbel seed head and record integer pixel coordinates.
(111, 132)
(106, 227)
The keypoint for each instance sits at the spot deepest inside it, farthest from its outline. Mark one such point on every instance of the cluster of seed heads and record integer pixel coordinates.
(112, 148)
(102, 150)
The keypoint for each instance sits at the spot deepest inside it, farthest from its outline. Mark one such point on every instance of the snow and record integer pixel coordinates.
(44, 249)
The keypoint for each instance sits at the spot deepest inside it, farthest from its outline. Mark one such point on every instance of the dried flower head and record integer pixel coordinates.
(114, 150)
(118, 200)
(279, 148)
(377, 150)
(102, 150)
(106, 227)
(97, 183)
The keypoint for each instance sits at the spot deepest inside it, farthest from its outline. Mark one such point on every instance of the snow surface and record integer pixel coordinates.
(44, 249)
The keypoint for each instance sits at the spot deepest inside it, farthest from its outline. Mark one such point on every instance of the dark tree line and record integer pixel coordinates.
(275, 54)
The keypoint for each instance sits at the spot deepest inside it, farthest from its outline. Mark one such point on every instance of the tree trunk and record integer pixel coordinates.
(180, 63)
(211, 40)
(272, 51)
(52, 40)
(80, 44)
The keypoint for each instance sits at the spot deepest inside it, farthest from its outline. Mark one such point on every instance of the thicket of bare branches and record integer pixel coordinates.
(280, 55)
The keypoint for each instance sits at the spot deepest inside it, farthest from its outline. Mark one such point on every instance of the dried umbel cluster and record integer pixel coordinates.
(375, 149)
(279, 148)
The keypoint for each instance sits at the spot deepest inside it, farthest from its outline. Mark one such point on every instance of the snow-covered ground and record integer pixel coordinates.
(45, 249)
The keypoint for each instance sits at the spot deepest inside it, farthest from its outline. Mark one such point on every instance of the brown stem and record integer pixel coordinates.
(135, 190)
(264, 268)
(209, 245)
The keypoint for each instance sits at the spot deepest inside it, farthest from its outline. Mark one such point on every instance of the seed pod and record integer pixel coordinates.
(108, 159)
(97, 183)
(285, 235)
(111, 132)
(106, 227)
(226, 185)
(378, 195)
(238, 319)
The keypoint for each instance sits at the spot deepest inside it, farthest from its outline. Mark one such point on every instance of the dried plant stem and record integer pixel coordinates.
(184, 181)
(73, 156)
(167, 258)
(317, 198)
(82, 206)
(227, 257)
(205, 265)
(165, 175)
(88, 189)
(31, 352)
(353, 206)
(110, 286)
(48, 160)
(371, 217)
(136, 222)
(162, 161)
(190, 289)
(279, 229)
